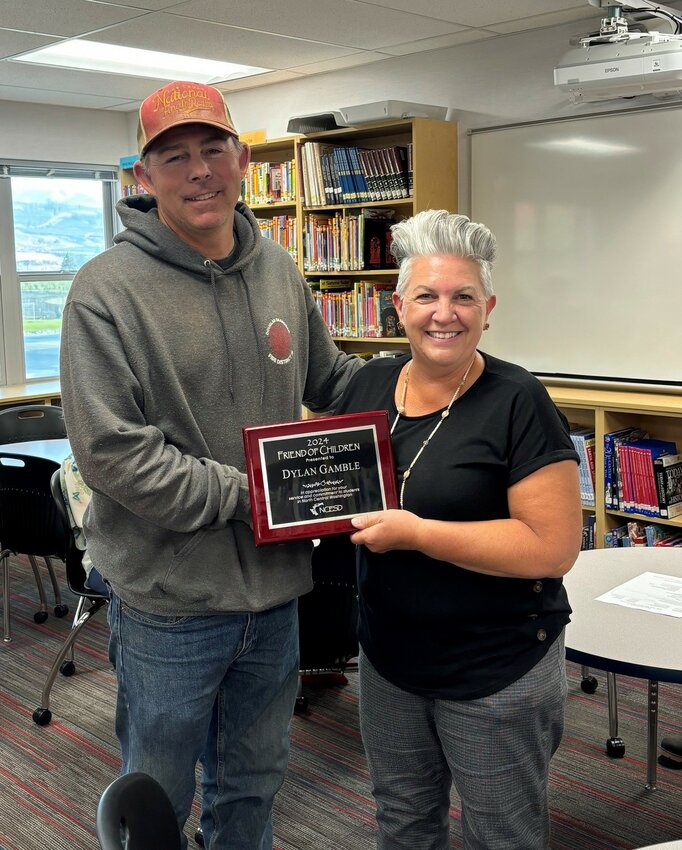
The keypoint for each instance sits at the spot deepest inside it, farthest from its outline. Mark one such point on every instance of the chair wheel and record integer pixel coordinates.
(589, 685)
(199, 837)
(615, 748)
(40, 616)
(301, 705)
(42, 716)
(61, 610)
(67, 668)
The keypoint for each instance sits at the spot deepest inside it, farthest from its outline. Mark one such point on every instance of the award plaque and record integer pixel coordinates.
(308, 478)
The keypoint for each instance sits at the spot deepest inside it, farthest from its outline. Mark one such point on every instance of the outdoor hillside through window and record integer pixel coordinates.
(59, 224)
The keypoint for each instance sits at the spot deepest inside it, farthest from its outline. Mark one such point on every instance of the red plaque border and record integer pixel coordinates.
(258, 483)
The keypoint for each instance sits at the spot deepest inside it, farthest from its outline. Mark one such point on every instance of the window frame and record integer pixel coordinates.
(12, 354)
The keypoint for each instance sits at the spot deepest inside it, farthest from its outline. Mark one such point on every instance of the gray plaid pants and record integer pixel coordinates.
(495, 750)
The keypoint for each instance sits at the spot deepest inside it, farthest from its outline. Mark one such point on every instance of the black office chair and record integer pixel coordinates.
(134, 813)
(23, 424)
(32, 422)
(89, 603)
(328, 617)
(29, 523)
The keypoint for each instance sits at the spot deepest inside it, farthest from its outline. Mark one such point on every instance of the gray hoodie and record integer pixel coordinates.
(164, 358)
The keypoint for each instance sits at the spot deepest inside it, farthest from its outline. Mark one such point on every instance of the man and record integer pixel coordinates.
(191, 327)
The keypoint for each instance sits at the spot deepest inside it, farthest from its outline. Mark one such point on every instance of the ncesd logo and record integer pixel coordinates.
(319, 508)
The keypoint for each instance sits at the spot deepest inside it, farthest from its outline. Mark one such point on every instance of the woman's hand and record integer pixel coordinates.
(384, 530)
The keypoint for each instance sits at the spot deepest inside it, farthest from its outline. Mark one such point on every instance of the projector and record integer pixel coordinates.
(390, 110)
(627, 66)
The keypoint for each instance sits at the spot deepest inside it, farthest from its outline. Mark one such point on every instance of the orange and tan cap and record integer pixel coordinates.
(181, 103)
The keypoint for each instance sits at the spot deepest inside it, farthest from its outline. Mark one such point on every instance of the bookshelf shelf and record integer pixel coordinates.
(608, 410)
(365, 273)
(395, 202)
(276, 205)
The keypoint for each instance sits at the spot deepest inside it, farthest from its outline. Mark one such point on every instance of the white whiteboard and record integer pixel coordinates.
(588, 218)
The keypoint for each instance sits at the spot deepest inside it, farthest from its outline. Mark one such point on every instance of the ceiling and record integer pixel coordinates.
(297, 38)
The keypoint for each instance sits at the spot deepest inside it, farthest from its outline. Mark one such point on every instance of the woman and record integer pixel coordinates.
(462, 605)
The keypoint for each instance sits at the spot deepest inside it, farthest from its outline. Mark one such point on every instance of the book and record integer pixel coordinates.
(583, 442)
(612, 482)
(388, 315)
(376, 246)
(641, 455)
(668, 474)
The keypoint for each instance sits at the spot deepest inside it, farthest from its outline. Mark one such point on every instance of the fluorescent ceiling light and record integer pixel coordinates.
(81, 55)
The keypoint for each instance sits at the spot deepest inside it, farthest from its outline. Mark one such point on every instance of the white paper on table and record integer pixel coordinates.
(654, 592)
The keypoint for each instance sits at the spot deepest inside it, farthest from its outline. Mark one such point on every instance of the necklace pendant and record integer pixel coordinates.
(406, 474)
(445, 414)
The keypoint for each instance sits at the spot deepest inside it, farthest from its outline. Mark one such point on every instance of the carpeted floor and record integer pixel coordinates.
(51, 777)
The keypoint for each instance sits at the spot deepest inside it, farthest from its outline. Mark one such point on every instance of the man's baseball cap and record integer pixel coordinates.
(181, 103)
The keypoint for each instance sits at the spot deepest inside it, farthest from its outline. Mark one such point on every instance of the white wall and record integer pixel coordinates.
(61, 134)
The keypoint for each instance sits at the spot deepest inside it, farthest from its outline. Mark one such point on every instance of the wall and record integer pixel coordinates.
(61, 134)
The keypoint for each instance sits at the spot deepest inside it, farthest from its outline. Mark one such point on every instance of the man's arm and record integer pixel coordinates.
(123, 456)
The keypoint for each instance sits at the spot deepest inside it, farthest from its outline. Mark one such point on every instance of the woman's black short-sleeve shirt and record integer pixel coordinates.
(429, 626)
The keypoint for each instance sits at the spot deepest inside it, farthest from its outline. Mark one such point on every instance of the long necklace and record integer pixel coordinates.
(444, 415)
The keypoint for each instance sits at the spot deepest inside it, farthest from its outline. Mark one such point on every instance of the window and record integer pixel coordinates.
(53, 218)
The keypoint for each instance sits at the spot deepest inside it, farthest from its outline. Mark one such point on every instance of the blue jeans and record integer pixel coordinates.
(219, 689)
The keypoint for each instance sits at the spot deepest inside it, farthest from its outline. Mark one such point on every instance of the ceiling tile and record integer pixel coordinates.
(258, 80)
(462, 37)
(354, 60)
(481, 13)
(345, 22)
(12, 43)
(214, 41)
(550, 20)
(63, 17)
(76, 82)
(56, 98)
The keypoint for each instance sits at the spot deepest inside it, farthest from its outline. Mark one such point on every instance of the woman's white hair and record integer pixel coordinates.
(440, 232)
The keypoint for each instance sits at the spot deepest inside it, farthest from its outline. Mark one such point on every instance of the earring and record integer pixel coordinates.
(401, 326)
(486, 326)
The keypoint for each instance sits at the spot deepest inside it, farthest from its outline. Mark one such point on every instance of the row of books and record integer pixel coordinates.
(133, 189)
(346, 174)
(364, 309)
(352, 242)
(642, 475)
(583, 442)
(282, 229)
(637, 533)
(588, 539)
(269, 183)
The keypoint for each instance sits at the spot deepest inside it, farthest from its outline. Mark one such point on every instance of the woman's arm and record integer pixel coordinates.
(541, 538)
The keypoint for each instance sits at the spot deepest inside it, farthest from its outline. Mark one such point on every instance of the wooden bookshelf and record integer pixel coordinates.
(434, 168)
(607, 410)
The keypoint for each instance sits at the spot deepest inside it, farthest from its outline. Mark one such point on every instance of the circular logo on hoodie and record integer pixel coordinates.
(279, 341)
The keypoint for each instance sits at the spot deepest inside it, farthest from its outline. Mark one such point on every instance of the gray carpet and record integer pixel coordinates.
(51, 777)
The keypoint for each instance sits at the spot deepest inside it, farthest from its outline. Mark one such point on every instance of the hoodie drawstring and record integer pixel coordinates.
(259, 342)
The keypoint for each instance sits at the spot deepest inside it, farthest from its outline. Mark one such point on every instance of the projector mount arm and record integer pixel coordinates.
(614, 27)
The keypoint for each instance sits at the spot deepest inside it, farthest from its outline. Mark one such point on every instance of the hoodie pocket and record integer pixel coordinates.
(183, 553)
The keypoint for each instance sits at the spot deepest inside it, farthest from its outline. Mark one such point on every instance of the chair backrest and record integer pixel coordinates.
(136, 805)
(75, 571)
(31, 422)
(30, 523)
